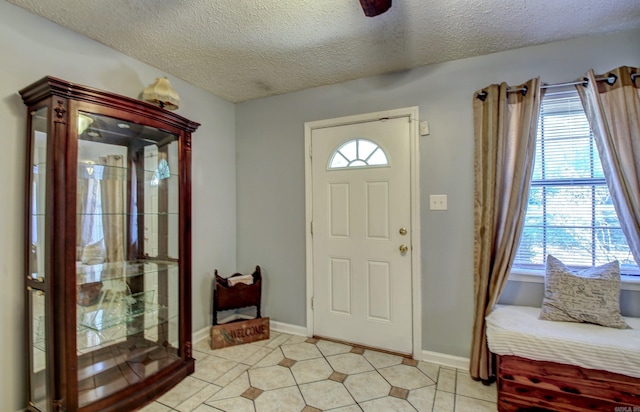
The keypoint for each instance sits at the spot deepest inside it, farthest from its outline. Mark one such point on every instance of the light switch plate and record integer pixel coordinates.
(438, 202)
(424, 128)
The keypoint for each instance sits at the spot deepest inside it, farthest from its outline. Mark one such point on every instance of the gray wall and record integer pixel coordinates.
(248, 170)
(30, 48)
(270, 174)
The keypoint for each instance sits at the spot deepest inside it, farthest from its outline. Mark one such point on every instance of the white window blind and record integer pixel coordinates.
(570, 214)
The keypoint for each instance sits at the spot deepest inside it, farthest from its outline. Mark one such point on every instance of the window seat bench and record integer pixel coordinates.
(563, 366)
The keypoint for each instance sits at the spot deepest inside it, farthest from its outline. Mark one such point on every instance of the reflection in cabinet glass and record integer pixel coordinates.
(37, 193)
(108, 281)
(37, 372)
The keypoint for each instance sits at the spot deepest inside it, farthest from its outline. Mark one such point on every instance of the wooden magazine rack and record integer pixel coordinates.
(238, 296)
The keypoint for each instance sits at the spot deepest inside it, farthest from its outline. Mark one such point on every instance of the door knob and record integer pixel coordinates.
(404, 248)
(402, 231)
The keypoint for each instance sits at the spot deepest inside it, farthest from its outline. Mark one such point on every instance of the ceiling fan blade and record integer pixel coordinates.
(373, 8)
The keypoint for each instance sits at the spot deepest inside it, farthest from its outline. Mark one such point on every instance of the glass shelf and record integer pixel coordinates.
(83, 170)
(118, 300)
(120, 308)
(176, 213)
(130, 214)
(86, 274)
(88, 339)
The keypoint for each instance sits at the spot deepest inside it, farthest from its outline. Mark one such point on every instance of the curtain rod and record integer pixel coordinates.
(609, 78)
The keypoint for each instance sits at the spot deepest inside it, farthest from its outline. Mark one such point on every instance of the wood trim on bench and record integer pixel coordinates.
(528, 385)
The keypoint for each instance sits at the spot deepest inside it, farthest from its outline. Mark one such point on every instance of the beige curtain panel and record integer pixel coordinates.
(113, 207)
(505, 130)
(81, 213)
(613, 111)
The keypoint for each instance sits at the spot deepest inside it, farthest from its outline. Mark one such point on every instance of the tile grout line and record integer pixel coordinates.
(271, 350)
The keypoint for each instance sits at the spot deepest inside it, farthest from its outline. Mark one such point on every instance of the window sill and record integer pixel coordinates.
(537, 276)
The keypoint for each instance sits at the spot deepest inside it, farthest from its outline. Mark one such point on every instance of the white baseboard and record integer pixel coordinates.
(443, 359)
(201, 334)
(287, 328)
(205, 332)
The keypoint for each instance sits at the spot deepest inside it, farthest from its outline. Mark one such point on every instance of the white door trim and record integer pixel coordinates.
(412, 114)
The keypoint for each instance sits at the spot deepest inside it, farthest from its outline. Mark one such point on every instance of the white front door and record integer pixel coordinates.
(361, 220)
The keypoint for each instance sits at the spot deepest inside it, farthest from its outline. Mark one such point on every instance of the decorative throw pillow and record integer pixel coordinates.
(590, 296)
(93, 253)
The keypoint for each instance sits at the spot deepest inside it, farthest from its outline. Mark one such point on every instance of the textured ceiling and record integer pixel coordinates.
(246, 49)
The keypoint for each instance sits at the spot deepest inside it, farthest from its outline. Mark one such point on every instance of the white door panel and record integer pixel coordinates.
(362, 282)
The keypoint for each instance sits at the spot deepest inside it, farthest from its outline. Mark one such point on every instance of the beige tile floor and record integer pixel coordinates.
(295, 373)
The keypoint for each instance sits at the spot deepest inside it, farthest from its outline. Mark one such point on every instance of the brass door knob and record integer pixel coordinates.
(402, 231)
(404, 248)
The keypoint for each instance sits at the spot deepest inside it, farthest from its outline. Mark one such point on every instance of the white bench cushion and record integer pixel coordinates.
(516, 330)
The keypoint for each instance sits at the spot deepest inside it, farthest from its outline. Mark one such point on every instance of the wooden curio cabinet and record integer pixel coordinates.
(108, 249)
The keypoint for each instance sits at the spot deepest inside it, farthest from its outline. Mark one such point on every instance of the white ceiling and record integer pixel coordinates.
(246, 49)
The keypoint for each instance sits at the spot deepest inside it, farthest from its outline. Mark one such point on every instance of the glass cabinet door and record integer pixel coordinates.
(38, 377)
(37, 321)
(38, 194)
(127, 254)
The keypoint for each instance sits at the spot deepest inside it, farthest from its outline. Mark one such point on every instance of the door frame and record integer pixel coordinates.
(416, 252)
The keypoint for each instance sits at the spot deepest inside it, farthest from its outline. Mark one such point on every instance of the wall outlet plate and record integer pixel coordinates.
(438, 202)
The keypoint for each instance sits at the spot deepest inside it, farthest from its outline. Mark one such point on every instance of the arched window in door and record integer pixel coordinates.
(358, 153)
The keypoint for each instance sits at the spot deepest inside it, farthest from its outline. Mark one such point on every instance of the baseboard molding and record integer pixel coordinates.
(443, 359)
(287, 328)
(281, 327)
(201, 334)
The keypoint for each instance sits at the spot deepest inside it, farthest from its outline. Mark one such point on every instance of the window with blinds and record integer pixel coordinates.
(570, 214)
